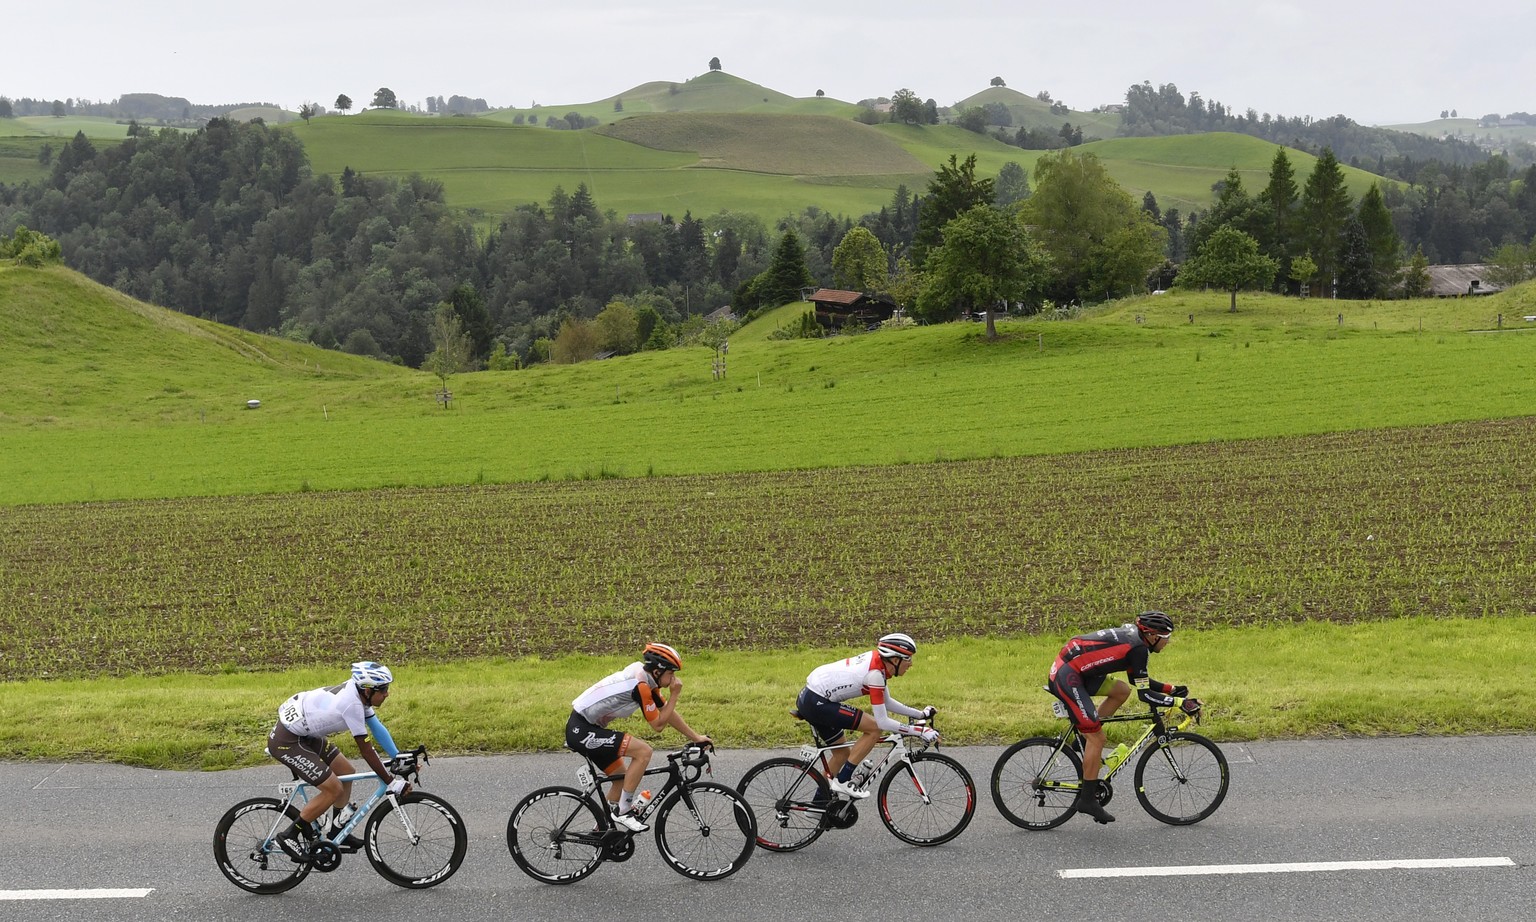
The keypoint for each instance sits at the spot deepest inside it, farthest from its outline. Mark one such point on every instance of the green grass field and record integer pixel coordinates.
(1303, 483)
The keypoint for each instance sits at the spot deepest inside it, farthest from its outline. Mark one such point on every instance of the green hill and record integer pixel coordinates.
(1029, 112)
(78, 354)
(102, 397)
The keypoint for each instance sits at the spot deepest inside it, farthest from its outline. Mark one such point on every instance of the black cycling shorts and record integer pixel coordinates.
(828, 718)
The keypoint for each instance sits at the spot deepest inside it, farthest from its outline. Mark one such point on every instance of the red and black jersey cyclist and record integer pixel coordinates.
(1081, 670)
(637, 687)
(827, 688)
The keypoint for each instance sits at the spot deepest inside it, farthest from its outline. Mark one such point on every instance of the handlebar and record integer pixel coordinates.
(408, 764)
(692, 759)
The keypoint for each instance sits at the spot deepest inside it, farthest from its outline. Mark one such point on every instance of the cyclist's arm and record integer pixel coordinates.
(891, 704)
(382, 737)
(874, 683)
(371, 756)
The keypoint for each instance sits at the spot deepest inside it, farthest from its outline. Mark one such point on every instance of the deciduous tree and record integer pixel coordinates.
(1229, 260)
(384, 98)
(344, 103)
(860, 263)
(987, 257)
(953, 190)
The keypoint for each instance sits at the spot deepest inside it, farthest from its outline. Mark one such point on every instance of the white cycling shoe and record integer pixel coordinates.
(629, 821)
(842, 789)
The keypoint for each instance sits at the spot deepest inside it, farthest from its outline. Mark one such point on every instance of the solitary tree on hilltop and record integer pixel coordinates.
(998, 81)
(384, 98)
(344, 102)
(714, 63)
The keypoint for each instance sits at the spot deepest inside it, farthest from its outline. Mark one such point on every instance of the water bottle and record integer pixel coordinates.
(861, 772)
(345, 816)
(1118, 756)
(639, 803)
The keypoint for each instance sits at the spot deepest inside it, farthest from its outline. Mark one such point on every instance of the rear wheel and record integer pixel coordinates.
(929, 801)
(245, 848)
(1035, 783)
(788, 801)
(705, 831)
(557, 835)
(418, 844)
(1182, 781)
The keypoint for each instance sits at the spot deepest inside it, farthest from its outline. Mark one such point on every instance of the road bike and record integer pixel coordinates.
(925, 798)
(414, 840)
(1181, 777)
(704, 830)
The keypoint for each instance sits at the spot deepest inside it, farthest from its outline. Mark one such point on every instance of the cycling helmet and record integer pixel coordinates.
(1155, 622)
(896, 646)
(371, 675)
(661, 656)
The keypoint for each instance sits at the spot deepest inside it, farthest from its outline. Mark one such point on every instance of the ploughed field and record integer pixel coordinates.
(1345, 527)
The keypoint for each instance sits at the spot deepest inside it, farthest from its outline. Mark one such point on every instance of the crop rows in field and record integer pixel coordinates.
(1365, 525)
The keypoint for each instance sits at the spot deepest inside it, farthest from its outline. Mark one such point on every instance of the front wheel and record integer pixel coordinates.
(1035, 783)
(927, 801)
(245, 847)
(557, 835)
(705, 831)
(788, 801)
(1182, 781)
(418, 844)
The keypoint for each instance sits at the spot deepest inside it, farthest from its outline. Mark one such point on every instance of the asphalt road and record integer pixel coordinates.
(89, 827)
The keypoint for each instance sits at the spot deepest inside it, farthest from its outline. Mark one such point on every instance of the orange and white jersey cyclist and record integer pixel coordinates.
(636, 687)
(827, 688)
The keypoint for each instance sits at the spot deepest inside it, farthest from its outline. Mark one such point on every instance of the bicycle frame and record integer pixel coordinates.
(297, 793)
(683, 767)
(1157, 728)
(900, 751)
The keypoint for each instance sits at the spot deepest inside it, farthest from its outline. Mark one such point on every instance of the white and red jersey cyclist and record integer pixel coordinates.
(856, 677)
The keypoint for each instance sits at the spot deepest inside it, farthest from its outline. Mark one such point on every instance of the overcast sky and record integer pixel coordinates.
(1376, 62)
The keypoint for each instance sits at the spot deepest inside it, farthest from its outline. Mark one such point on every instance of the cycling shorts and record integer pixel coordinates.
(1075, 693)
(308, 757)
(828, 718)
(599, 744)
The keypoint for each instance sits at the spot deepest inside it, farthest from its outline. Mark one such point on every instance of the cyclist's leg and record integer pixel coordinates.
(639, 752)
(1068, 686)
(600, 746)
(869, 735)
(1117, 695)
(829, 720)
(311, 759)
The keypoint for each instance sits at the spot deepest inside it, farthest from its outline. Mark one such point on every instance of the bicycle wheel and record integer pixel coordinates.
(417, 845)
(787, 802)
(556, 835)
(928, 802)
(245, 851)
(705, 831)
(1034, 785)
(1182, 781)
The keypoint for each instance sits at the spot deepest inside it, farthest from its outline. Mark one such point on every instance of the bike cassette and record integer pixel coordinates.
(324, 856)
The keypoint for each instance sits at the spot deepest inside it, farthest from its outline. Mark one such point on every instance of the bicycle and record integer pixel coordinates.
(1180, 779)
(416, 840)
(704, 830)
(794, 806)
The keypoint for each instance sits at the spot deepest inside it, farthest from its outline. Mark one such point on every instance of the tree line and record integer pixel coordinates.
(230, 223)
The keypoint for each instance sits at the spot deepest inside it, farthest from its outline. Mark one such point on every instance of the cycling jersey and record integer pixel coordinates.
(324, 711)
(1088, 659)
(857, 676)
(619, 695)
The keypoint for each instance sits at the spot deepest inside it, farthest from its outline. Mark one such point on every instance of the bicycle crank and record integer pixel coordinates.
(842, 816)
(324, 856)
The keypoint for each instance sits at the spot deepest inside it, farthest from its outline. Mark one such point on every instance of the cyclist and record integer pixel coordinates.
(1080, 671)
(821, 704)
(635, 687)
(299, 741)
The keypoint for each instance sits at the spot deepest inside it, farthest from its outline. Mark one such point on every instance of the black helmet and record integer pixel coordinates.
(1154, 622)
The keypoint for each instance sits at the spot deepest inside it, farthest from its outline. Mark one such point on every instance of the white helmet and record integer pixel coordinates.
(896, 646)
(371, 675)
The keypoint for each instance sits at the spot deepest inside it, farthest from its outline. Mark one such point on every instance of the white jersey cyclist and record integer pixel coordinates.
(619, 695)
(321, 712)
(858, 676)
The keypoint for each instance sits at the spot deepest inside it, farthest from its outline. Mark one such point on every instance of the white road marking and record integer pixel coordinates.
(102, 893)
(1291, 868)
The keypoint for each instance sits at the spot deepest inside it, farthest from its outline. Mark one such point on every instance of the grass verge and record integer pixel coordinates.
(1300, 680)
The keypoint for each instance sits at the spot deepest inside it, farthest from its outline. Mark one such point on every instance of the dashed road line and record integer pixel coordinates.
(1297, 867)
